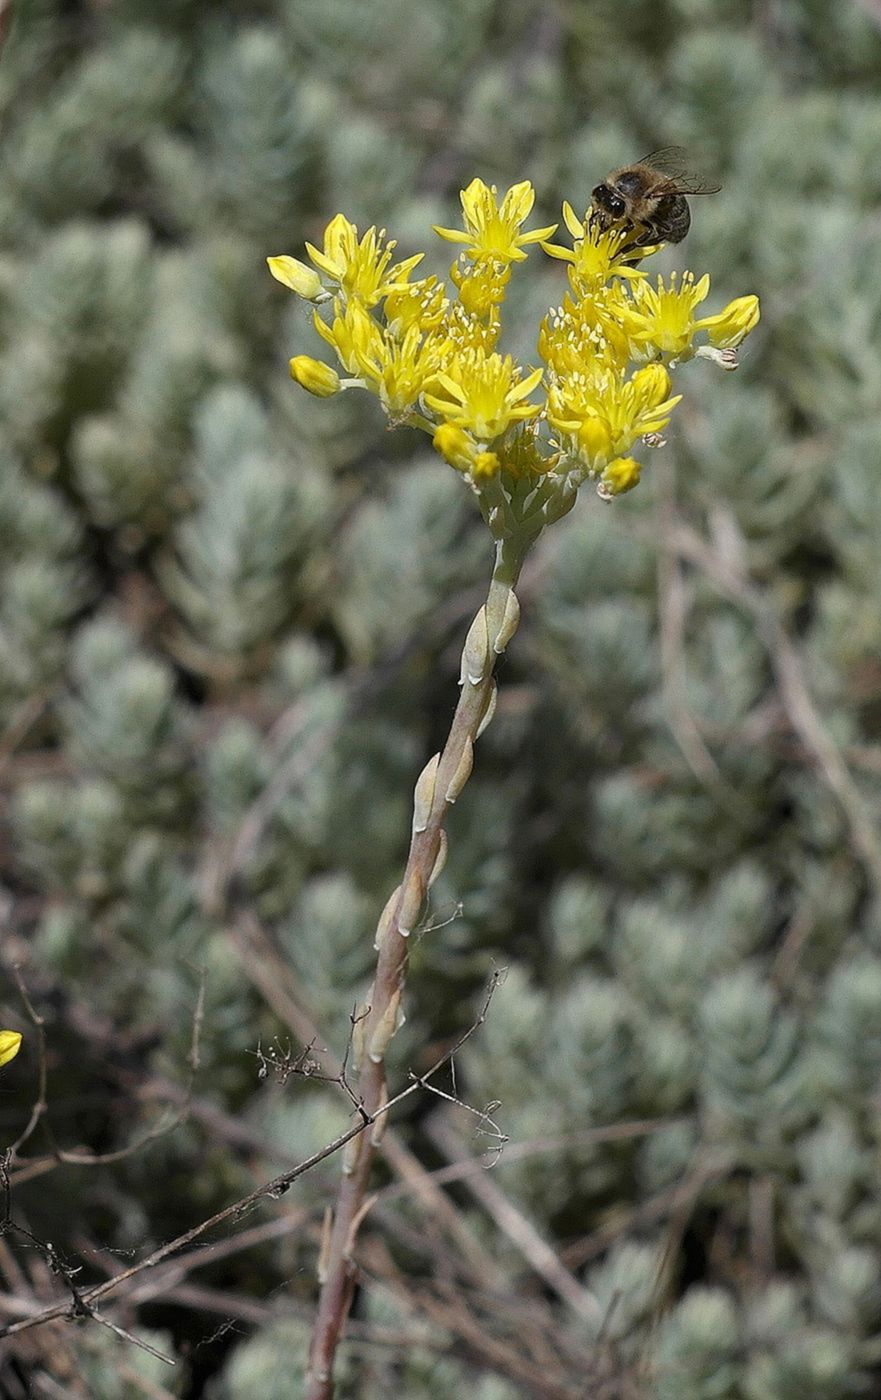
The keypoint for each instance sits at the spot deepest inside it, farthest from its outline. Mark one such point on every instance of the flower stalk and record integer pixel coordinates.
(437, 788)
(430, 355)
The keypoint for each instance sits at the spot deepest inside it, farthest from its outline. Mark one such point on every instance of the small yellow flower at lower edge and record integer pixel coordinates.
(486, 464)
(457, 448)
(318, 378)
(10, 1044)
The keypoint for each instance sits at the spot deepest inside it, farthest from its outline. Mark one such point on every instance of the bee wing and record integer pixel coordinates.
(695, 186)
(672, 162)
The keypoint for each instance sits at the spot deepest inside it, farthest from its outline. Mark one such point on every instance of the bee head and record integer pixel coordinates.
(609, 201)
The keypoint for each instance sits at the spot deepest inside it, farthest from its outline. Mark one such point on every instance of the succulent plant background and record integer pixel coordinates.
(230, 622)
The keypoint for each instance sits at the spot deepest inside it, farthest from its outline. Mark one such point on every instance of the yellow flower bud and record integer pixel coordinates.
(485, 464)
(297, 276)
(318, 378)
(593, 439)
(620, 476)
(737, 320)
(455, 446)
(10, 1044)
(651, 383)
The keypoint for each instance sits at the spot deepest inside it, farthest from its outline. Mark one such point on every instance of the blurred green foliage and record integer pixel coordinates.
(210, 584)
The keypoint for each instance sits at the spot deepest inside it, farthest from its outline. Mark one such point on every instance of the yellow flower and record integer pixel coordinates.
(361, 268)
(482, 286)
(728, 328)
(602, 417)
(661, 320)
(493, 230)
(10, 1044)
(318, 378)
(598, 254)
(484, 394)
(401, 370)
(580, 333)
(353, 335)
(455, 446)
(485, 464)
(295, 274)
(620, 476)
(422, 303)
(460, 450)
(429, 350)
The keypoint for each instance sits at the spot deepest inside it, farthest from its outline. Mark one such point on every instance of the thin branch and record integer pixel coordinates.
(517, 1228)
(273, 1189)
(39, 1105)
(129, 1337)
(437, 787)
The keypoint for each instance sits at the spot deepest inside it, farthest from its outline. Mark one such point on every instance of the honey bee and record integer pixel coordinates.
(648, 198)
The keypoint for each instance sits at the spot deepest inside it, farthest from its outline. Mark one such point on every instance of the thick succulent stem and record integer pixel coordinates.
(438, 786)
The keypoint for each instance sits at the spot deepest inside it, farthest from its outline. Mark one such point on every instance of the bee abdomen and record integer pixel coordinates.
(672, 218)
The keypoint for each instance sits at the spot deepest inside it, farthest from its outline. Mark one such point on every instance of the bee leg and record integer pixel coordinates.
(638, 236)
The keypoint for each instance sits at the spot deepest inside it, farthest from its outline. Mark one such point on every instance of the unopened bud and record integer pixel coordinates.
(455, 446)
(324, 1248)
(489, 709)
(381, 1117)
(351, 1152)
(485, 464)
(315, 376)
(619, 476)
(298, 277)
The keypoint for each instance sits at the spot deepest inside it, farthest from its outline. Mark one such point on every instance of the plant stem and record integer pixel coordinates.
(437, 788)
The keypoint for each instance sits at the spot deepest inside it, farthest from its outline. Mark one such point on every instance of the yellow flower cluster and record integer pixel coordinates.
(431, 354)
